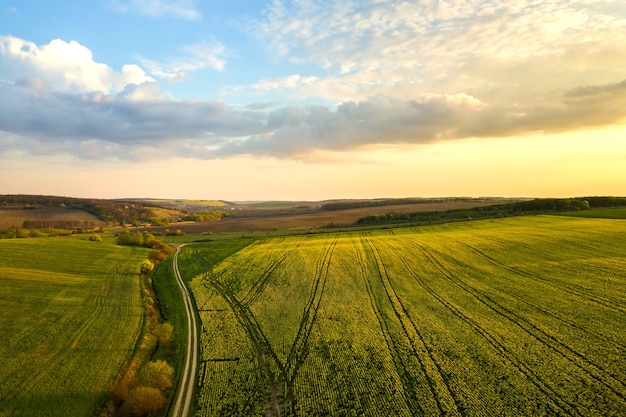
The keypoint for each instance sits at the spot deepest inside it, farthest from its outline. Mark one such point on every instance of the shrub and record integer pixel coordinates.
(158, 374)
(165, 333)
(146, 266)
(157, 256)
(143, 401)
(120, 391)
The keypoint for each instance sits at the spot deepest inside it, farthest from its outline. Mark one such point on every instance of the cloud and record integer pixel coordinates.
(404, 49)
(131, 117)
(262, 105)
(372, 34)
(195, 57)
(121, 124)
(299, 131)
(55, 99)
(182, 9)
(61, 66)
(138, 123)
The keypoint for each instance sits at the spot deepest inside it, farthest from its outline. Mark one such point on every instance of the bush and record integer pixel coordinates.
(157, 256)
(146, 266)
(143, 401)
(126, 238)
(158, 374)
(95, 238)
(120, 391)
(165, 333)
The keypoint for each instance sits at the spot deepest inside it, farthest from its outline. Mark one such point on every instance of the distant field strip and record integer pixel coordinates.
(17, 217)
(522, 316)
(70, 313)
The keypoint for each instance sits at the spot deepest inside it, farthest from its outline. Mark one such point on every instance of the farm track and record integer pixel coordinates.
(277, 387)
(577, 359)
(410, 387)
(300, 344)
(61, 352)
(420, 323)
(274, 386)
(72, 319)
(569, 288)
(564, 407)
(518, 272)
(257, 288)
(184, 396)
(446, 403)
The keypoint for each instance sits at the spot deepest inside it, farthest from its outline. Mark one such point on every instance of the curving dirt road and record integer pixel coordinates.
(182, 400)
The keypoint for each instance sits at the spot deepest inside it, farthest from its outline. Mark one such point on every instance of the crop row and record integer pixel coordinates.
(502, 317)
(78, 327)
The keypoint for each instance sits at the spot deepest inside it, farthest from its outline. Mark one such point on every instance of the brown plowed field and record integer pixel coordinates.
(306, 220)
(16, 217)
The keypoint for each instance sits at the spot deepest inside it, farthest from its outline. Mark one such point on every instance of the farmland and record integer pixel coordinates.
(266, 220)
(50, 215)
(70, 314)
(519, 316)
(601, 213)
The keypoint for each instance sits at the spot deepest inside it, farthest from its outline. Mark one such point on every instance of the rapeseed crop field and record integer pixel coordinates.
(70, 314)
(512, 317)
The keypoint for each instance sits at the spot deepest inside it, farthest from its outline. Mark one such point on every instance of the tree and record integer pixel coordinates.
(158, 374)
(156, 256)
(126, 238)
(147, 239)
(143, 401)
(166, 249)
(146, 266)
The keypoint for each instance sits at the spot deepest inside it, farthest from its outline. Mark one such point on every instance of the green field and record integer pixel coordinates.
(70, 314)
(512, 317)
(600, 213)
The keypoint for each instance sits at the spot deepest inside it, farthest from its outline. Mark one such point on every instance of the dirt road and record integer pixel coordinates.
(184, 396)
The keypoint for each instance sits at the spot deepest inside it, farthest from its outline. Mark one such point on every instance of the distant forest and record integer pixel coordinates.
(380, 202)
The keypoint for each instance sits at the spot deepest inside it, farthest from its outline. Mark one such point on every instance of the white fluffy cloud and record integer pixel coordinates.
(62, 66)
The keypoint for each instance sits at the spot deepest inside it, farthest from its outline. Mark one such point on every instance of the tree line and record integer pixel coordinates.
(58, 224)
(144, 392)
(536, 206)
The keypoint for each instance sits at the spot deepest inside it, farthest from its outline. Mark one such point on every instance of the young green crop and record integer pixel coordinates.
(70, 313)
(520, 316)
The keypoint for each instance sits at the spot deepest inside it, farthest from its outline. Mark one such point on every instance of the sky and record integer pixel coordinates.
(312, 99)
